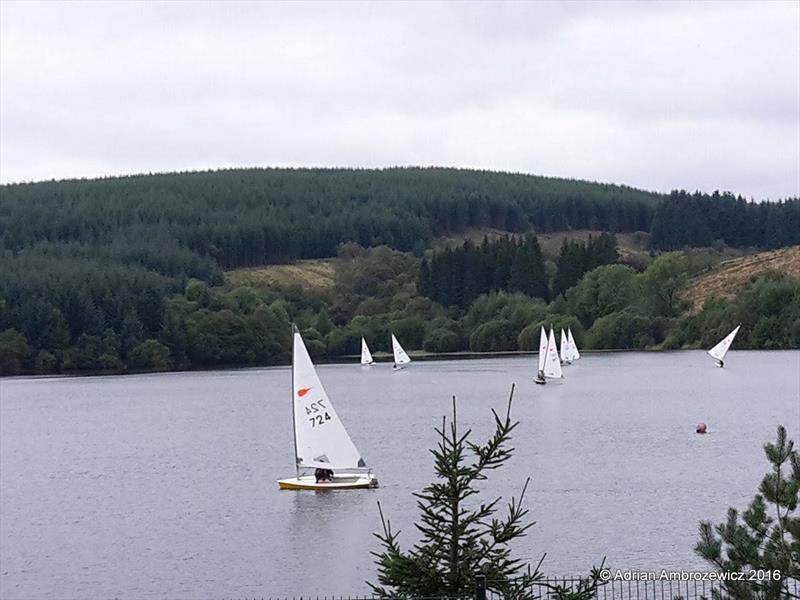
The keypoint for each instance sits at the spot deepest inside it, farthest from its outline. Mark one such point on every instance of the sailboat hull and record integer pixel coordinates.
(341, 481)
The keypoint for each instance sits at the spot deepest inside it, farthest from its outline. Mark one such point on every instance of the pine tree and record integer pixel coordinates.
(527, 273)
(538, 284)
(570, 265)
(323, 323)
(767, 538)
(459, 541)
(424, 279)
(520, 272)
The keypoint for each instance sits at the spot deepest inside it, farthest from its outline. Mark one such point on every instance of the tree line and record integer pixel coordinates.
(457, 276)
(374, 295)
(697, 220)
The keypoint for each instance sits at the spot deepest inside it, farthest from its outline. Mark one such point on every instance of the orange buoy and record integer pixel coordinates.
(701, 428)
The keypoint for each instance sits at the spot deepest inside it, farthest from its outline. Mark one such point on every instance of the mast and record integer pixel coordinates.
(295, 332)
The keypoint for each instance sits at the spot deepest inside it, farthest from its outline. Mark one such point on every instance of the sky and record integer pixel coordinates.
(660, 96)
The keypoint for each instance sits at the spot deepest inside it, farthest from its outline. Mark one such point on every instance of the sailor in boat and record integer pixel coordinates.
(540, 378)
(322, 475)
(719, 363)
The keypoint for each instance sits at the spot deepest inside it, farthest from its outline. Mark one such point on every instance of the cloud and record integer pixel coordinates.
(657, 95)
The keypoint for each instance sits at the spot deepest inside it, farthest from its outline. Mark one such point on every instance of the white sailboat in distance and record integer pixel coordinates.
(719, 351)
(540, 379)
(320, 439)
(549, 359)
(401, 358)
(566, 350)
(573, 347)
(366, 356)
(552, 363)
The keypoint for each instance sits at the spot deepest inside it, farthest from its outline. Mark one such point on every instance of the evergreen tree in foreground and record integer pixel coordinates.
(459, 541)
(767, 538)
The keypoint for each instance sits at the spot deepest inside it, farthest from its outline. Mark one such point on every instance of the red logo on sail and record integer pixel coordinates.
(303, 391)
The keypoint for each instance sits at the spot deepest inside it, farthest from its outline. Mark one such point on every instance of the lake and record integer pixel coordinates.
(164, 485)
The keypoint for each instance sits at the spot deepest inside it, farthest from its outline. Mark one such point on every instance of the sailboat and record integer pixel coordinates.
(366, 356)
(401, 358)
(566, 350)
(719, 351)
(542, 358)
(552, 363)
(320, 439)
(573, 347)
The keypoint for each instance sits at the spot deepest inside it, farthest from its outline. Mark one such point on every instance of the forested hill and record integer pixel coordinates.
(90, 269)
(258, 216)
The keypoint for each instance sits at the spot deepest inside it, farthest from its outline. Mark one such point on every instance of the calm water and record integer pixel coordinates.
(154, 486)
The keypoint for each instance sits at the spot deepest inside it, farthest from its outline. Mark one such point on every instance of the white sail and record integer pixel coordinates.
(573, 347)
(552, 366)
(720, 350)
(400, 356)
(320, 437)
(542, 349)
(366, 356)
(565, 348)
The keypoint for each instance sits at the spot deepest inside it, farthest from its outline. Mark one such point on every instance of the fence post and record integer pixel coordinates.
(480, 587)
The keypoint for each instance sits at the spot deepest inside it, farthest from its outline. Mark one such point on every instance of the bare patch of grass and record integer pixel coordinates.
(315, 274)
(729, 275)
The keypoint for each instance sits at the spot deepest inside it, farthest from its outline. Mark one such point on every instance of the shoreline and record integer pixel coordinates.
(352, 359)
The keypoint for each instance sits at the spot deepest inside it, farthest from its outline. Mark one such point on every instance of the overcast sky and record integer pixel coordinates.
(658, 96)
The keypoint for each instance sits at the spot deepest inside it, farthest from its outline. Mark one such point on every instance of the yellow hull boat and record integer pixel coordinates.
(345, 481)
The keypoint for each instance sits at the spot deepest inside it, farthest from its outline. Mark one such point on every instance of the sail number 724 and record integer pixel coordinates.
(317, 413)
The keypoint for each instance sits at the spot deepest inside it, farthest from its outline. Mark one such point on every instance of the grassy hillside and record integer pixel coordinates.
(312, 274)
(728, 277)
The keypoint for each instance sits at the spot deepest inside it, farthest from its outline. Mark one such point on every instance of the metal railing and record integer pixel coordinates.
(653, 589)
(556, 588)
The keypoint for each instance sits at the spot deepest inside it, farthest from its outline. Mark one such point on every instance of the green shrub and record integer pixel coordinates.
(14, 352)
(493, 336)
(442, 340)
(150, 355)
(409, 331)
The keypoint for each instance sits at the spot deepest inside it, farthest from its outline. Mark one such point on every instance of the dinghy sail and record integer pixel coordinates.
(552, 365)
(566, 350)
(573, 347)
(401, 359)
(540, 379)
(719, 351)
(366, 356)
(320, 439)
